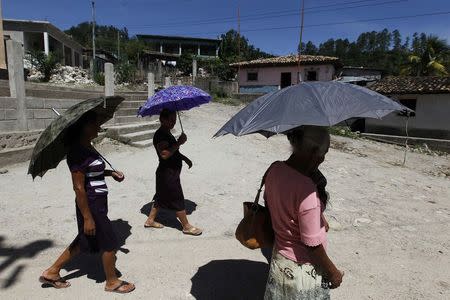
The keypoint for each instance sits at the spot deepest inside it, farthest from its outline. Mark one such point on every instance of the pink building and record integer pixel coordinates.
(269, 74)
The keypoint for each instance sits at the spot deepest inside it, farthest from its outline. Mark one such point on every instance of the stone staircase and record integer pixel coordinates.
(137, 135)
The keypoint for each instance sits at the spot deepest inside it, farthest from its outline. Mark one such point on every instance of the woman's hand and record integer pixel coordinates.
(325, 223)
(117, 176)
(182, 139)
(89, 226)
(336, 278)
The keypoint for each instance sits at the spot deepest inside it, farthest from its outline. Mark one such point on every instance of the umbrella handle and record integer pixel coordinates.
(179, 119)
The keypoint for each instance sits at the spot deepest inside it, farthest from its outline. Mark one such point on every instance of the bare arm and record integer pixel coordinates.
(165, 151)
(321, 259)
(82, 202)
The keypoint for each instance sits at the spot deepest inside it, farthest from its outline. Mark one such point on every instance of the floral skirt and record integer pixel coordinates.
(289, 280)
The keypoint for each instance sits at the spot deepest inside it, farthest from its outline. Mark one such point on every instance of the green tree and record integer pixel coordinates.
(430, 56)
(47, 65)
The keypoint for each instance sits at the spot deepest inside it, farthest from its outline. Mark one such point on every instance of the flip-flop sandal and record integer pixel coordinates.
(193, 231)
(154, 225)
(117, 289)
(63, 283)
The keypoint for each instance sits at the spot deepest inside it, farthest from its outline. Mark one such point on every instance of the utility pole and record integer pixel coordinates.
(302, 15)
(118, 45)
(93, 37)
(239, 38)
(2, 42)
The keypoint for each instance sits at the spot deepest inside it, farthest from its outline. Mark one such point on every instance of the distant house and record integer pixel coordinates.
(43, 36)
(270, 74)
(429, 97)
(101, 58)
(359, 75)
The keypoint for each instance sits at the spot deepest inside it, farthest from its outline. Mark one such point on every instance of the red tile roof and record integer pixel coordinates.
(412, 85)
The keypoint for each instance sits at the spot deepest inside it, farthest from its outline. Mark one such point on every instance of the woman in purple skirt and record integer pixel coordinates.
(95, 232)
(169, 193)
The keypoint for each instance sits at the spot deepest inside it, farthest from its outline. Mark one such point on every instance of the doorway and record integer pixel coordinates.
(286, 80)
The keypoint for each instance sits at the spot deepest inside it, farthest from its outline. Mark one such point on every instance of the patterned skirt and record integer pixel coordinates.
(289, 280)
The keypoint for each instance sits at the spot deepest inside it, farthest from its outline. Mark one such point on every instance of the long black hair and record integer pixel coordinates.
(74, 132)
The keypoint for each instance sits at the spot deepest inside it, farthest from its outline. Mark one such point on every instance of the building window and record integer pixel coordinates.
(252, 76)
(409, 103)
(311, 76)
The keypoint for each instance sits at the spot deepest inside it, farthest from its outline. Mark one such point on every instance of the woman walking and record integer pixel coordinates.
(300, 267)
(169, 193)
(95, 232)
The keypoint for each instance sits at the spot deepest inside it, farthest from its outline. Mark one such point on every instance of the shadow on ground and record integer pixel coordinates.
(230, 279)
(10, 265)
(168, 217)
(91, 264)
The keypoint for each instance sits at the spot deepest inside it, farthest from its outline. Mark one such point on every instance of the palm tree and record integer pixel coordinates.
(429, 58)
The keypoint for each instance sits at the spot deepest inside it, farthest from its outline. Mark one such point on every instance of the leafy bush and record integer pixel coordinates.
(47, 65)
(99, 78)
(343, 131)
(125, 72)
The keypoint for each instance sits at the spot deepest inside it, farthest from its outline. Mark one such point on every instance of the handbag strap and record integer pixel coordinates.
(263, 181)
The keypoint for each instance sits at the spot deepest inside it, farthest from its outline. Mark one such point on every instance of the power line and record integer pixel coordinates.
(272, 14)
(332, 23)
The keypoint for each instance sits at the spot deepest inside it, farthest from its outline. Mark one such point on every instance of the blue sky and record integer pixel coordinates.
(209, 18)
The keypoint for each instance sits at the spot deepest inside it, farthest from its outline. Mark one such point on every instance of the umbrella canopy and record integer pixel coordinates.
(50, 148)
(308, 103)
(174, 98)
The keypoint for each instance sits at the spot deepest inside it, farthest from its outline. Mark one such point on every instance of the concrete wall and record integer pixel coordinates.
(432, 119)
(271, 76)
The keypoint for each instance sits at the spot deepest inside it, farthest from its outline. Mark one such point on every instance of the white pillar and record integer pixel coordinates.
(217, 51)
(151, 84)
(17, 81)
(160, 48)
(179, 49)
(167, 82)
(46, 44)
(109, 79)
(194, 68)
(2, 44)
(198, 50)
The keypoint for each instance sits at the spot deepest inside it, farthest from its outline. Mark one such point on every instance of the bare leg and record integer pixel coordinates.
(187, 227)
(109, 266)
(151, 218)
(53, 272)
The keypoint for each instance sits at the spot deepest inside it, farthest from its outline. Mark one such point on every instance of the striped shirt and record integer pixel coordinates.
(88, 162)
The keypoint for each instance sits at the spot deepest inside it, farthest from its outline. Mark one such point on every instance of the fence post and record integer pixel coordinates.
(179, 82)
(17, 81)
(194, 70)
(109, 79)
(151, 84)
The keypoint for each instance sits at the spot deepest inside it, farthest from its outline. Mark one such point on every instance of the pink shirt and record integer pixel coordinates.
(295, 209)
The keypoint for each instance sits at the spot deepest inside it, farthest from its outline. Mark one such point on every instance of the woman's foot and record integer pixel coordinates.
(153, 224)
(120, 286)
(191, 230)
(54, 279)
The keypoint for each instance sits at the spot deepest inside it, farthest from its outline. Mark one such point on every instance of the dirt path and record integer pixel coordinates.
(389, 223)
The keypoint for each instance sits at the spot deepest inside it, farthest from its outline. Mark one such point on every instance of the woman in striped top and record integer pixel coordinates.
(95, 232)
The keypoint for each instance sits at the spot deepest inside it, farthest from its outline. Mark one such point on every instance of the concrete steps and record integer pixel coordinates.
(138, 134)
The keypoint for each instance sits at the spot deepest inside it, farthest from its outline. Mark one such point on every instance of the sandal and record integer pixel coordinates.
(122, 284)
(193, 231)
(154, 225)
(59, 283)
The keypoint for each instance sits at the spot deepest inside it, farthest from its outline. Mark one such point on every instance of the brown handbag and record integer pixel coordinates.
(255, 230)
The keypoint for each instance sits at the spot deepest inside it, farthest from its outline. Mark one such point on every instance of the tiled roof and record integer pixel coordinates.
(288, 60)
(412, 85)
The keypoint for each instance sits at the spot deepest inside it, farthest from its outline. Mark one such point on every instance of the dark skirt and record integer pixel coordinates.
(105, 238)
(169, 193)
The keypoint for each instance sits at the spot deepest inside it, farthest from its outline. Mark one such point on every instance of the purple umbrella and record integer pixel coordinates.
(174, 98)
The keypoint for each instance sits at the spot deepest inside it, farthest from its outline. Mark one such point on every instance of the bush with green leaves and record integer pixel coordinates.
(47, 65)
(125, 72)
(99, 78)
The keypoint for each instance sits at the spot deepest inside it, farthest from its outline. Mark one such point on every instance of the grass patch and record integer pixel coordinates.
(227, 101)
(343, 131)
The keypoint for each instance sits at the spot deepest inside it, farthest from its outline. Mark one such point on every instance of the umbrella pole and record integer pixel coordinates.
(179, 119)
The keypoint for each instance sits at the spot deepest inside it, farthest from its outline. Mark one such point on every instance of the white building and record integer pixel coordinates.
(428, 96)
(43, 36)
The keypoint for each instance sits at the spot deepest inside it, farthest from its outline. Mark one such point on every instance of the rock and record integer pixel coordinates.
(359, 221)
(3, 171)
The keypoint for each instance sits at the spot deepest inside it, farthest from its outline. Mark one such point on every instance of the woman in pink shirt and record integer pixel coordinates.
(300, 267)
